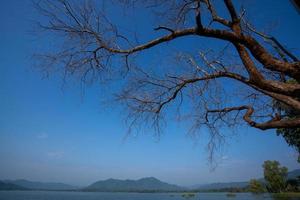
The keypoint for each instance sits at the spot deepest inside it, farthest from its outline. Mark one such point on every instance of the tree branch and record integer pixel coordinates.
(214, 14)
(271, 124)
(164, 28)
(232, 12)
(277, 45)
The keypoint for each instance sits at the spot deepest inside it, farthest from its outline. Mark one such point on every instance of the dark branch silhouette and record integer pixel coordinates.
(93, 44)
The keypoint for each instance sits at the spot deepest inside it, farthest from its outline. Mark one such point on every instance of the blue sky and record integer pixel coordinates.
(54, 133)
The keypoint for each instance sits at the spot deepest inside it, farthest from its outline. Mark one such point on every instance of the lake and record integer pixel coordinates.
(48, 195)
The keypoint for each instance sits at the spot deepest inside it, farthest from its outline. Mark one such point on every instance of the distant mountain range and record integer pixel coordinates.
(294, 174)
(149, 184)
(215, 186)
(31, 185)
(10, 186)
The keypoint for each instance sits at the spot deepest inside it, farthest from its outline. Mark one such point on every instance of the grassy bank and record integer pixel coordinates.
(287, 194)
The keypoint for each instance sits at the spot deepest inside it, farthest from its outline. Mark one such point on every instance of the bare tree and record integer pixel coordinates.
(257, 64)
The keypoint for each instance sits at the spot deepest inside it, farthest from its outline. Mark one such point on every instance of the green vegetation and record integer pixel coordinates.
(227, 189)
(275, 176)
(291, 135)
(256, 187)
(149, 184)
(276, 180)
(292, 185)
(286, 196)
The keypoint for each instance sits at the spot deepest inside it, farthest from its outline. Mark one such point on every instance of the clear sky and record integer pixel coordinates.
(54, 133)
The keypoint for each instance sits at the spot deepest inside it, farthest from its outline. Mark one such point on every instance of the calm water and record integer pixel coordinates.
(42, 195)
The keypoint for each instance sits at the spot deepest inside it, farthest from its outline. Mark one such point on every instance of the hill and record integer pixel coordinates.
(217, 186)
(41, 185)
(149, 184)
(10, 186)
(294, 174)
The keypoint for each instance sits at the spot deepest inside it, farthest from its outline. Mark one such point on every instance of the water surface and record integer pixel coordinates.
(49, 195)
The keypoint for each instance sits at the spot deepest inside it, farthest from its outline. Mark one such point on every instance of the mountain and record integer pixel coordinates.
(294, 174)
(41, 185)
(213, 186)
(149, 184)
(10, 186)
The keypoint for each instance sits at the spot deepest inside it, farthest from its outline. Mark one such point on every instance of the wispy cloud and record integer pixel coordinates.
(225, 158)
(55, 154)
(42, 136)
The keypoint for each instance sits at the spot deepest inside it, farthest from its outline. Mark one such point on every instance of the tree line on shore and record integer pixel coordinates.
(275, 180)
